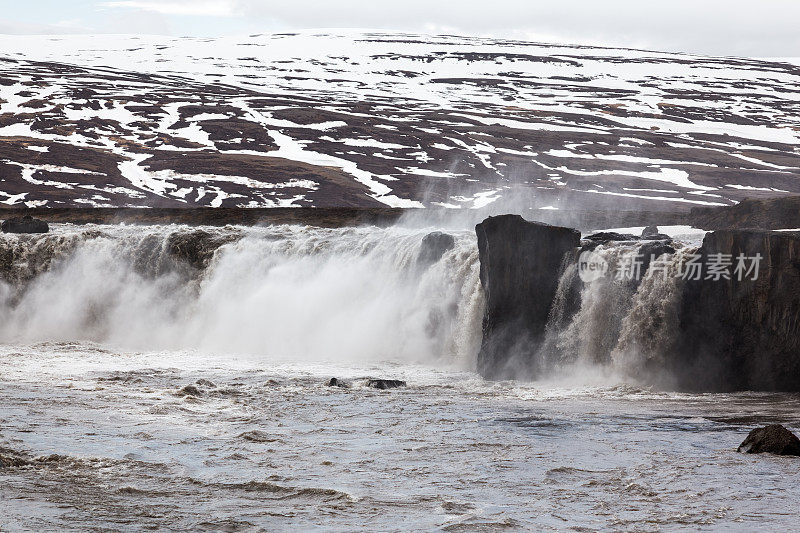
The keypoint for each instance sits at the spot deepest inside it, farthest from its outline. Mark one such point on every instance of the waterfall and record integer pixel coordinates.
(620, 326)
(281, 291)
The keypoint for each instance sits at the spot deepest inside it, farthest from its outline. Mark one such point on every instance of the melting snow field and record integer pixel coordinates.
(373, 119)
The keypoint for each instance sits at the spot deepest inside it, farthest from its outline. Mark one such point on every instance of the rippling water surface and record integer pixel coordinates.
(97, 438)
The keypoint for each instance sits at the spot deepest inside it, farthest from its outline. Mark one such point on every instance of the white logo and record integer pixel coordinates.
(591, 267)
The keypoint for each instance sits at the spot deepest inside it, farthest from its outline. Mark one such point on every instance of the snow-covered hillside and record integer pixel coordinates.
(363, 119)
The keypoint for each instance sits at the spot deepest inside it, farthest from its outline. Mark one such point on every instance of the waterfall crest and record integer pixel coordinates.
(281, 291)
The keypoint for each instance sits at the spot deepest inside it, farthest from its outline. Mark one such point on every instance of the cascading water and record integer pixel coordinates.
(616, 324)
(284, 291)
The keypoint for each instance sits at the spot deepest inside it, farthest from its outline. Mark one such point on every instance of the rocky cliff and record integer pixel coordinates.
(743, 334)
(751, 213)
(520, 266)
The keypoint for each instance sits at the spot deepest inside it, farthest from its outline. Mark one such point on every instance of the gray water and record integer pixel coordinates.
(97, 343)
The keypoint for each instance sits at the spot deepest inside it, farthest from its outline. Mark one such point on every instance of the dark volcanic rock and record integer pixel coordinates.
(434, 246)
(604, 237)
(609, 236)
(770, 213)
(335, 382)
(649, 231)
(520, 266)
(771, 439)
(219, 216)
(11, 458)
(197, 247)
(25, 224)
(653, 250)
(384, 384)
(743, 334)
(190, 390)
(657, 237)
(258, 436)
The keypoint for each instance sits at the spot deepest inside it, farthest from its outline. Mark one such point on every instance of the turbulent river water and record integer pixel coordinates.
(175, 378)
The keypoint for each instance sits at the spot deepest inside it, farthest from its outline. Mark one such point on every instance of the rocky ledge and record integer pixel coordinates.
(25, 224)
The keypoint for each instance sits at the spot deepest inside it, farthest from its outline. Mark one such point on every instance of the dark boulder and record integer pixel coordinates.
(12, 458)
(771, 439)
(335, 382)
(742, 334)
(434, 246)
(25, 224)
(521, 262)
(649, 231)
(384, 384)
(190, 390)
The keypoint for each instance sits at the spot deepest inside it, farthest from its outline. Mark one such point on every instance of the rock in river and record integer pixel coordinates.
(384, 384)
(771, 439)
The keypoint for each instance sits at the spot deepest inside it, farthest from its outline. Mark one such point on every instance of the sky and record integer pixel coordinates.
(765, 28)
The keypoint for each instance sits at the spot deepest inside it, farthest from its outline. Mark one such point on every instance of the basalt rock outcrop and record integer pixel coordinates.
(520, 266)
(434, 246)
(742, 334)
(764, 214)
(25, 224)
(771, 439)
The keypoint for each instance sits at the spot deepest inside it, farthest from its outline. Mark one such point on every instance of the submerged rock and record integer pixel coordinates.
(25, 224)
(384, 384)
(335, 382)
(434, 246)
(771, 439)
(11, 458)
(257, 435)
(521, 262)
(190, 390)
